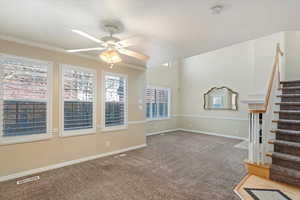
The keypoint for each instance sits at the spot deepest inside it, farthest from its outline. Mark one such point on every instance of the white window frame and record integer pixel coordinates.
(125, 125)
(169, 104)
(34, 137)
(93, 130)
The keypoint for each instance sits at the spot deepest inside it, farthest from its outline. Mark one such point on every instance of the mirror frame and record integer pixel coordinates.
(219, 88)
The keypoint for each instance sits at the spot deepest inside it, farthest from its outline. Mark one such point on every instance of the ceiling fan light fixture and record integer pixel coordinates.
(110, 56)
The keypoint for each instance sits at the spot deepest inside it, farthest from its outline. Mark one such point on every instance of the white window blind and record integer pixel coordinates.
(150, 100)
(157, 102)
(25, 96)
(78, 94)
(115, 100)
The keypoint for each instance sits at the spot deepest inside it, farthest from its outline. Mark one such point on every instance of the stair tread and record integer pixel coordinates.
(293, 81)
(285, 143)
(288, 111)
(295, 174)
(289, 121)
(284, 156)
(289, 95)
(291, 88)
(284, 131)
(287, 103)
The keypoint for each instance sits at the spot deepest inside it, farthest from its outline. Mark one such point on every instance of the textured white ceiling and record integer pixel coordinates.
(169, 29)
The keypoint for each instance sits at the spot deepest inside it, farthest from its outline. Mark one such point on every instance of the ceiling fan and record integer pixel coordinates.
(110, 46)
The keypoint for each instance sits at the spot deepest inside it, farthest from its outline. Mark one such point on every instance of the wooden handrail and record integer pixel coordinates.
(271, 80)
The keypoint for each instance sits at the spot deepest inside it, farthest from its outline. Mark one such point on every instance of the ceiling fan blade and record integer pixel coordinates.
(87, 49)
(84, 34)
(133, 41)
(134, 54)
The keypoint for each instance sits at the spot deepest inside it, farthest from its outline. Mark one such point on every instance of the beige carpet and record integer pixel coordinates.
(242, 145)
(177, 166)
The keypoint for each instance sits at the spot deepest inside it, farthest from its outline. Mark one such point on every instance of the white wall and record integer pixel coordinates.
(244, 67)
(292, 52)
(264, 53)
(231, 67)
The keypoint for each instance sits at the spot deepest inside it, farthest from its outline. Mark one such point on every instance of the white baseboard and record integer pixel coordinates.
(214, 134)
(164, 131)
(63, 164)
(197, 131)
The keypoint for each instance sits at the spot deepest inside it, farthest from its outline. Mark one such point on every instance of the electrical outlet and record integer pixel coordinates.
(107, 143)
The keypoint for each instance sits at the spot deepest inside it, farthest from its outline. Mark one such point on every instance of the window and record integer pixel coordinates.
(115, 101)
(218, 101)
(157, 103)
(78, 100)
(25, 106)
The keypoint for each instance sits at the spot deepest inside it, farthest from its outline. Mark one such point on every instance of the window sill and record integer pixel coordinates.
(24, 139)
(114, 128)
(158, 119)
(77, 133)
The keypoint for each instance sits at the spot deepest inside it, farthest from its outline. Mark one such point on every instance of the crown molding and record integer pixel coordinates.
(57, 49)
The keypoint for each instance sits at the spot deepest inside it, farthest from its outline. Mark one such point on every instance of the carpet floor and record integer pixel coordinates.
(175, 166)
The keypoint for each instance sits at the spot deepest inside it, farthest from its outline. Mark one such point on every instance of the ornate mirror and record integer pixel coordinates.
(222, 98)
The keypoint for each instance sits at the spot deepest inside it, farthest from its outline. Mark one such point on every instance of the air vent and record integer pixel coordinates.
(121, 155)
(27, 180)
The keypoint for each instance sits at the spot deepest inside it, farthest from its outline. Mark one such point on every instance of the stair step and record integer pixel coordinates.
(286, 121)
(288, 103)
(297, 112)
(285, 143)
(285, 160)
(288, 124)
(290, 83)
(284, 156)
(289, 95)
(286, 171)
(288, 132)
(288, 114)
(293, 81)
(290, 88)
(287, 135)
(285, 175)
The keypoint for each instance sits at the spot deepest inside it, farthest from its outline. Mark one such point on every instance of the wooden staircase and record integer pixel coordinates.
(285, 166)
